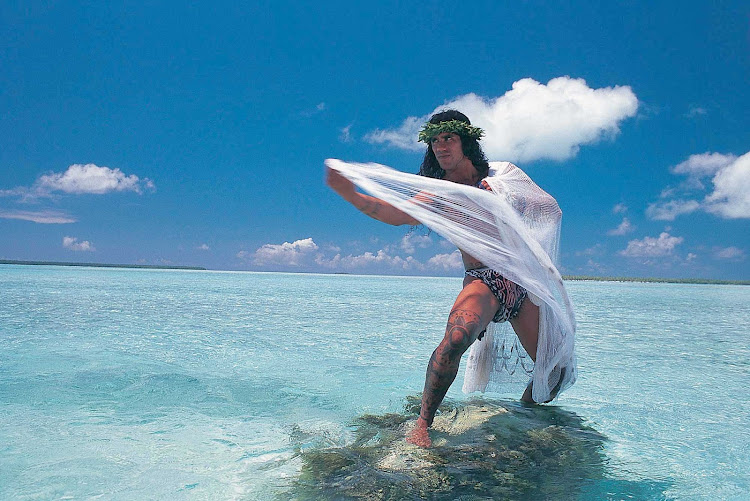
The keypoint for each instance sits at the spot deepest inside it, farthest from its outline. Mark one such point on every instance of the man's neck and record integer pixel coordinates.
(465, 173)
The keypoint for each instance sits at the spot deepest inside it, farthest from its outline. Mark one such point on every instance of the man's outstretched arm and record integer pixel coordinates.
(373, 207)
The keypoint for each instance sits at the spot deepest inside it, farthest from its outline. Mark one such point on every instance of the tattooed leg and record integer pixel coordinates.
(462, 330)
(474, 308)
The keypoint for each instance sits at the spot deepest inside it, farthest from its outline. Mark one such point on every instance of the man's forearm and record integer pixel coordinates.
(380, 210)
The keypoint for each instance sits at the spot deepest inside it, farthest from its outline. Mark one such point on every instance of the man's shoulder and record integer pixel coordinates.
(501, 168)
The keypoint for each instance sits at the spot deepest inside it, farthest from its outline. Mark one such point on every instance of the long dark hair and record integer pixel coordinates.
(470, 146)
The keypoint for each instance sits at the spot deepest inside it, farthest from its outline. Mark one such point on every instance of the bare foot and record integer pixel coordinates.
(419, 436)
(526, 397)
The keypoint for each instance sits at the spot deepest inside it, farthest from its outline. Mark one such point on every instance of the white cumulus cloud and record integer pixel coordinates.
(81, 179)
(411, 241)
(72, 243)
(532, 120)
(703, 164)
(620, 209)
(291, 254)
(729, 197)
(594, 250)
(93, 179)
(668, 211)
(652, 247)
(447, 262)
(381, 260)
(623, 229)
(405, 137)
(731, 253)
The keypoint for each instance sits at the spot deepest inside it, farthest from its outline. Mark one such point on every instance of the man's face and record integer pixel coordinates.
(447, 149)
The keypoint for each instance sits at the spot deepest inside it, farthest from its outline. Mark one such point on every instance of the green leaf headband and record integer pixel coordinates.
(430, 130)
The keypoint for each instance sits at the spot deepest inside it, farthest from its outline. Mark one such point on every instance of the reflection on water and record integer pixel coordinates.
(482, 450)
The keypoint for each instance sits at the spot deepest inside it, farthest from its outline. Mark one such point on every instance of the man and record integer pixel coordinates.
(453, 154)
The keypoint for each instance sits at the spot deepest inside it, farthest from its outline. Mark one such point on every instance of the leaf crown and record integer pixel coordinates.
(430, 130)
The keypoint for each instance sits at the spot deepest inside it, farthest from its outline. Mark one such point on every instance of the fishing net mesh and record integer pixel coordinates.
(515, 230)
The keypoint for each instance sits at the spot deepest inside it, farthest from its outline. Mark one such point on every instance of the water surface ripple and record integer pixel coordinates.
(167, 384)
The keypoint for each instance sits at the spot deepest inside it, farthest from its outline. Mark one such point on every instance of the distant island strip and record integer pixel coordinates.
(103, 265)
(658, 280)
(565, 277)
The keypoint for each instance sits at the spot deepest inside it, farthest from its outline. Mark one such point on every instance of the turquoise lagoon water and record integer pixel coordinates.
(150, 384)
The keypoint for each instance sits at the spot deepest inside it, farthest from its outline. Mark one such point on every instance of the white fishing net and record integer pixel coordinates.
(515, 230)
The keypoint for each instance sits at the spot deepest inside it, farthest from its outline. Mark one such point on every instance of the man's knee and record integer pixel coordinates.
(462, 329)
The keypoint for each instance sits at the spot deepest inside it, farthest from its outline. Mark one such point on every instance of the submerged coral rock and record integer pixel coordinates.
(481, 450)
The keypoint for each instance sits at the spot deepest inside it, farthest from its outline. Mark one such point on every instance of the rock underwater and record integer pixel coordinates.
(481, 450)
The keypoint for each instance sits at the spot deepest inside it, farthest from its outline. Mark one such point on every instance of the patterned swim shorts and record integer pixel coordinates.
(510, 294)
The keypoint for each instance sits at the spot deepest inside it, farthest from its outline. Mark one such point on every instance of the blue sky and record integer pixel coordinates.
(195, 134)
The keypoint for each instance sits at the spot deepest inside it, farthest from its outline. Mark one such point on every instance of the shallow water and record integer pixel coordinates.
(150, 384)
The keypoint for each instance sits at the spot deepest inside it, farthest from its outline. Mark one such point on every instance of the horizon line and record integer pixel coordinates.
(588, 278)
